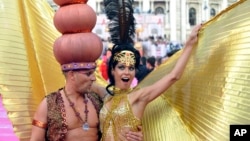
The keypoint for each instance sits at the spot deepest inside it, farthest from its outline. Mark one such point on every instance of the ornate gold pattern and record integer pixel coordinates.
(126, 57)
(56, 117)
(119, 117)
(78, 66)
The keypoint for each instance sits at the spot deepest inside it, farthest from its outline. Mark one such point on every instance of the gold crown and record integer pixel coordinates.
(126, 57)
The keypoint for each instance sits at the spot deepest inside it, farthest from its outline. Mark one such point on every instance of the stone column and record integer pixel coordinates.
(183, 20)
(140, 6)
(202, 11)
(152, 5)
(167, 14)
(208, 11)
(224, 4)
(97, 6)
(172, 13)
(146, 5)
(205, 10)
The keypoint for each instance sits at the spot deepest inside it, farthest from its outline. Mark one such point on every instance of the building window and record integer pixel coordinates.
(212, 12)
(192, 16)
(159, 10)
(137, 10)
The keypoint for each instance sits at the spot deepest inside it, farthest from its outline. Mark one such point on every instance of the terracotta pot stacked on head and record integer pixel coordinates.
(75, 19)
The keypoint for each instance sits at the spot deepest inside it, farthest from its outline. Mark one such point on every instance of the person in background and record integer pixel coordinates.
(141, 72)
(158, 61)
(104, 66)
(150, 64)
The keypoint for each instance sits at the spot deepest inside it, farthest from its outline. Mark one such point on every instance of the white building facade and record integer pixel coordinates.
(170, 19)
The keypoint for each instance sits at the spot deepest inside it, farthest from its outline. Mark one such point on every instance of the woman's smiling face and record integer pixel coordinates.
(123, 75)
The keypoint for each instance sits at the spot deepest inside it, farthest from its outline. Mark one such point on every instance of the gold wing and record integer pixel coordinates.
(214, 91)
(28, 70)
(212, 94)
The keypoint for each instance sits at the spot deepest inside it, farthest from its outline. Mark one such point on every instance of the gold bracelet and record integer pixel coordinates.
(39, 124)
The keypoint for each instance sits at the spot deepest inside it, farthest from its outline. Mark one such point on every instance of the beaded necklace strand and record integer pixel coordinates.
(85, 125)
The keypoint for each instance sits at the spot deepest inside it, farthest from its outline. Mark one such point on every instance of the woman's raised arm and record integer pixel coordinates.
(147, 94)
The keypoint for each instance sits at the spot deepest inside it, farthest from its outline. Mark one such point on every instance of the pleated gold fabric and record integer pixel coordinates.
(28, 70)
(214, 90)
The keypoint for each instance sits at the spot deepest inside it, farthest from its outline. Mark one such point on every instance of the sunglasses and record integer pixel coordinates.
(88, 73)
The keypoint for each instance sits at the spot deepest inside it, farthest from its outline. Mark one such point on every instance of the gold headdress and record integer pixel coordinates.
(122, 30)
(126, 57)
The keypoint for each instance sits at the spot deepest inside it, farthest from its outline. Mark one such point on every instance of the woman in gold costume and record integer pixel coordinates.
(212, 94)
(123, 106)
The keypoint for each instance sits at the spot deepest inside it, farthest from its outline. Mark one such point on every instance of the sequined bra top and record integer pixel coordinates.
(118, 118)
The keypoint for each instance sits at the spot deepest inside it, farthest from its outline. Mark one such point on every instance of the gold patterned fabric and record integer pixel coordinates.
(212, 94)
(118, 118)
(214, 91)
(28, 69)
(57, 124)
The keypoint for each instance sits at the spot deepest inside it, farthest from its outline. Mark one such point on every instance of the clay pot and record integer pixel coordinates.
(79, 47)
(66, 2)
(75, 18)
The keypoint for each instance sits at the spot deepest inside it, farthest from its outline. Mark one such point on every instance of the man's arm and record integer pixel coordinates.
(39, 123)
(99, 90)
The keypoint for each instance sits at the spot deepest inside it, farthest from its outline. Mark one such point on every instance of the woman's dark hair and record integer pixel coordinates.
(122, 32)
(112, 63)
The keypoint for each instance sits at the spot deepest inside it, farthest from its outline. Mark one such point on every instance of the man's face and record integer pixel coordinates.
(84, 79)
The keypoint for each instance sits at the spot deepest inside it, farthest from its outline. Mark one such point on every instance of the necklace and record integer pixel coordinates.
(121, 91)
(85, 125)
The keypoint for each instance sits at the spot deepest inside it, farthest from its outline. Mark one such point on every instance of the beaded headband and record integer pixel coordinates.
(126, 57)
(78, 66)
